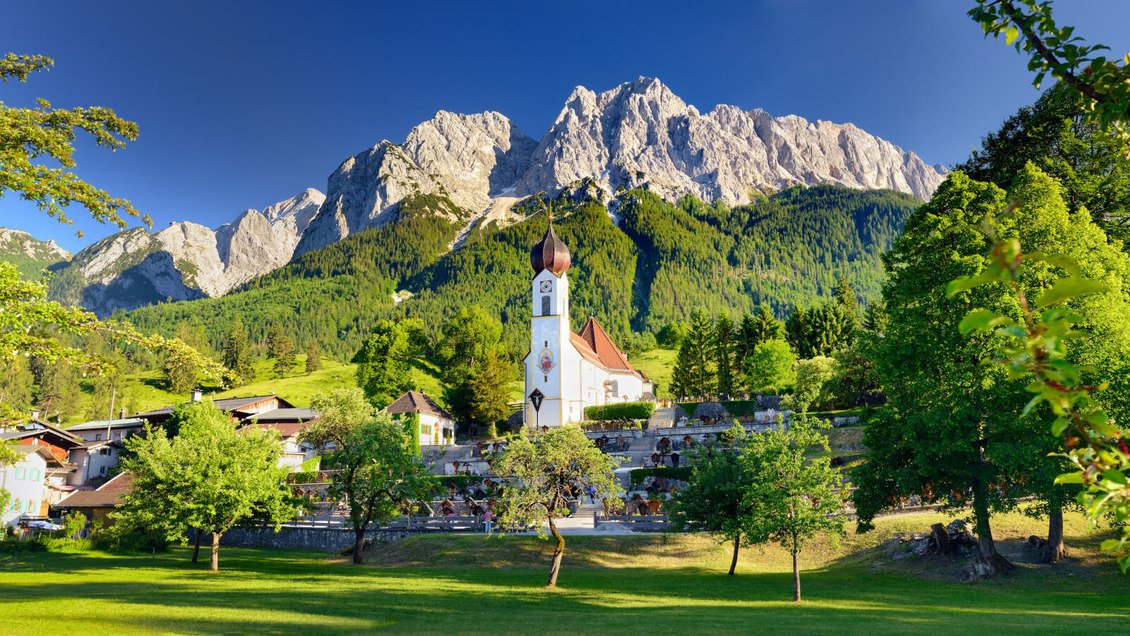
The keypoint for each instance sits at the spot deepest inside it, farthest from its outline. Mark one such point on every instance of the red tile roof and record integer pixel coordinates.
(286, 429)
(606, 351)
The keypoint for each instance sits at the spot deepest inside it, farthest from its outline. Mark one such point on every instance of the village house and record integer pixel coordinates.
(32, 482)
(239, 409)
(437, 427)
(38, 433)
(289, 422)
(94, 460)
(116, 429)
(98, 503)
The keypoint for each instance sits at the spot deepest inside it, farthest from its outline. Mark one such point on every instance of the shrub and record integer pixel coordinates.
(620, 411)
(11, 544)
(73, 525)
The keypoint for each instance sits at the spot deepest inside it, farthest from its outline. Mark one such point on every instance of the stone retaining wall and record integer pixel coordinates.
(292, 537)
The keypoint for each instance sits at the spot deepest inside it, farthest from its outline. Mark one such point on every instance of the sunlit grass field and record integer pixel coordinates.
(145, 391)
(652, 584)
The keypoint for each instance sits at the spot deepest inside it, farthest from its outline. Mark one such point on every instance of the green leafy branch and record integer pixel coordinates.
(1057, 50)
(30, 135)
(1035, 347)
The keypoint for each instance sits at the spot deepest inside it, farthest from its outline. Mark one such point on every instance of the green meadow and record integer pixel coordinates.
(651, 583)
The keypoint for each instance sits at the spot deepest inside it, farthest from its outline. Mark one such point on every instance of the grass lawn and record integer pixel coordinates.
(145, 391)
(657, 364)
(654, 584)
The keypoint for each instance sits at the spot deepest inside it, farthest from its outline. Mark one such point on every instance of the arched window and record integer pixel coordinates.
(545, 305)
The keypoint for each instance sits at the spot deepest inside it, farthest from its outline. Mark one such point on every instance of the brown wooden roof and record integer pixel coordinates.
(108, 495)
(417, 402)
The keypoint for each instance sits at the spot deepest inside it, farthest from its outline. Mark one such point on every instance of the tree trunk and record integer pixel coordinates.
(216, 551)
(1055, 550)
(196, 547)
(734, 561)
(941, 538)
(989, 561)
(557, 554)
(796, 574)
(358, 545)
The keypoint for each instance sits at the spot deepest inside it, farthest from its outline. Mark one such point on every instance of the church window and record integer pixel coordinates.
(545, 305)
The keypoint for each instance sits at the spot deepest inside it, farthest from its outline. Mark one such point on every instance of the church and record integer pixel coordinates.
(569, 371)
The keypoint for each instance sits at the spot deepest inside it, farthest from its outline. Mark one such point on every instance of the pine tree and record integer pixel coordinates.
(682, 377)
(237, 351)
(724, 353)
(488, 391)
(796, 328)
(846, 298)
(700, 337)
(281, 348)
(313, 356)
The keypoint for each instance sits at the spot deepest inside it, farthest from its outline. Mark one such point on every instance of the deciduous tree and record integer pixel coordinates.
(37, 150)
(384, 364)
(209, 476)
(769, 369)
(793, 496)
(714, 500)
(376, 474)
(342, 410)
(543, 474)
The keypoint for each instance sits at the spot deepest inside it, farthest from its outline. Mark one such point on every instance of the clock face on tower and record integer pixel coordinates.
(546, 286)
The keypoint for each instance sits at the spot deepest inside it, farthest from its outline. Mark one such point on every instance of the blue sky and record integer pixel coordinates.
(241, 104)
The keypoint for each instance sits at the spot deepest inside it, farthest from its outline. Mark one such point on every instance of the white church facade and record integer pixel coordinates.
(570, 371)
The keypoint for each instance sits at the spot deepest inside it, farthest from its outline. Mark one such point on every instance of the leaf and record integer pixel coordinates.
(1069, 478)
(1068, 288)
(1060, 425)
(1011, 34)
(1115, 475)
(1031, 405)
(1062, 261)
(969, 282)
(1110, 545)
(981, 320)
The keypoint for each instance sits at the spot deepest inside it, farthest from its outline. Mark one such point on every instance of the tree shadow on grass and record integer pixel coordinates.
(264, 591)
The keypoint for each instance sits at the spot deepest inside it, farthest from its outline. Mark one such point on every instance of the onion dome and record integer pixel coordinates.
(550, 253)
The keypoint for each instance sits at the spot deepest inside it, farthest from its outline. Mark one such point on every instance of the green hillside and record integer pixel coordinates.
(144, 391)
(659, 263)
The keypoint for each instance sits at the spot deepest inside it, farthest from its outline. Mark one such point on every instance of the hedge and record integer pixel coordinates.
(682, 473)
(620, 411)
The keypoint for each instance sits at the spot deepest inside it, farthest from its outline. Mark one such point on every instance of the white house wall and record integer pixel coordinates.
(26, 483)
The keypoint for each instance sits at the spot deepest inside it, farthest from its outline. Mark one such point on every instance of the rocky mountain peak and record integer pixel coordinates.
(15, 243)
(187, 260)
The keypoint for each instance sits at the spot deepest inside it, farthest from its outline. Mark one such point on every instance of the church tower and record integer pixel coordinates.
(551, 367)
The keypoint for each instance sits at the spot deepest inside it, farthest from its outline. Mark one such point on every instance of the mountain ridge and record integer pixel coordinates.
(638, 134)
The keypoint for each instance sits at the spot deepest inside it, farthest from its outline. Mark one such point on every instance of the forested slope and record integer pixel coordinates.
(658, 264)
